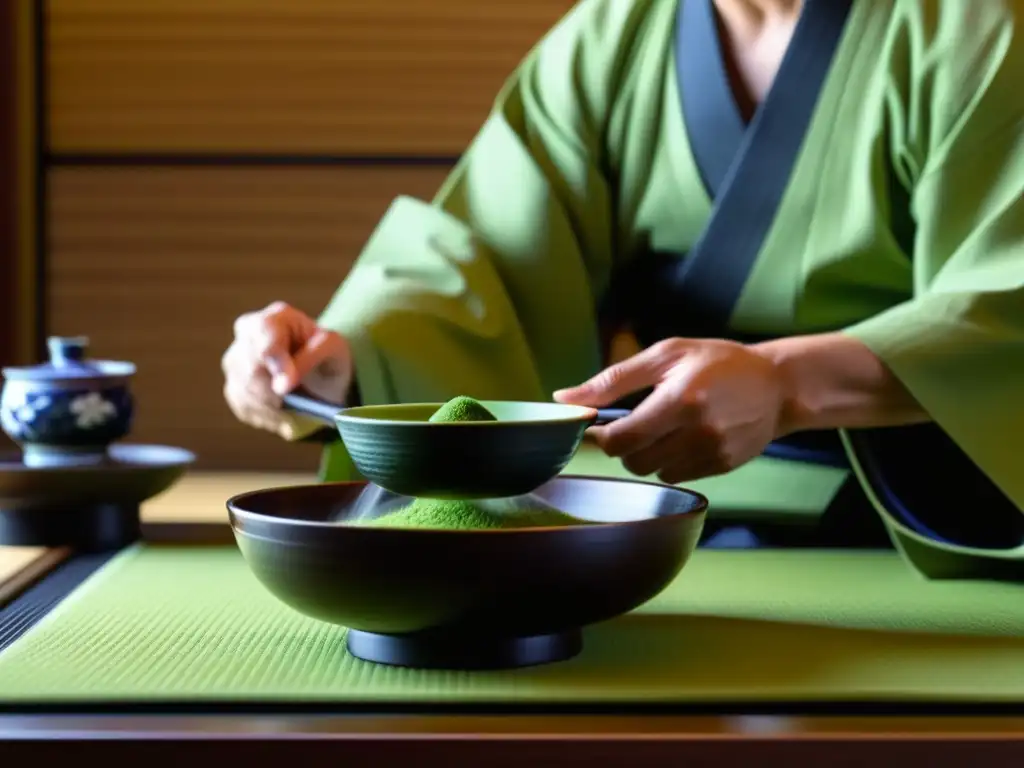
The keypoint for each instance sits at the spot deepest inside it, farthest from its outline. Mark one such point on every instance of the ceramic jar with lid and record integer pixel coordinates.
(66, 412)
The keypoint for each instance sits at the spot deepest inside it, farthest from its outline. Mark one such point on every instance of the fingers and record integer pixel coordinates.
(675, 458)
(690, 466)
(670, 433)
(258, 365)
(271, 335)
(252, 402)
(653, 457)
(660, 414)
(638, 372)
(322, 347)
(274, 351)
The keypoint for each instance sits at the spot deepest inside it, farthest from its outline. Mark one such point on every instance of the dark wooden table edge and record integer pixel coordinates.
(607, 738)
(175, 741)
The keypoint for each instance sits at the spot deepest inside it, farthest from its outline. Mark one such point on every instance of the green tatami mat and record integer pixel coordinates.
(167, 623)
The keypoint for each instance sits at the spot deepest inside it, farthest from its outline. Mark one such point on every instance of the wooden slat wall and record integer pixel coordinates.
(155, 264)
(282, 75)
(18, 203)
(10, 150)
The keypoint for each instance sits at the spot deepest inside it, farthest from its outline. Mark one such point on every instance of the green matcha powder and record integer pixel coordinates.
(471, 515)
(462, 409)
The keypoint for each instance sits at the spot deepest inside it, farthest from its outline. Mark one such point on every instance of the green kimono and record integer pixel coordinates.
(878, 190)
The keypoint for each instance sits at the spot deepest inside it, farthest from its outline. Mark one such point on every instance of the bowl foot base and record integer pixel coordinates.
(89, 528)
(463, 653)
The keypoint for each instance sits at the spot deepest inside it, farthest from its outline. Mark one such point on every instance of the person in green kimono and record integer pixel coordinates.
(809, 214)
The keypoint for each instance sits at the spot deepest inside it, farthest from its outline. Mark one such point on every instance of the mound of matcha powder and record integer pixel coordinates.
(470, 515)
(462, 409)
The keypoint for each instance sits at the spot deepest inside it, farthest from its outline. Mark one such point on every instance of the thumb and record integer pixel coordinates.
(321, 346)
(633, 374)
(281, 367)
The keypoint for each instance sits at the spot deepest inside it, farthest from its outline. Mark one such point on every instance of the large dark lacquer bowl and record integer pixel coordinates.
(469, 599)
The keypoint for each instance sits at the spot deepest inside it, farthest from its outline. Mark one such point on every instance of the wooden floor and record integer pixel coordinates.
(14, 559)
(201, 496)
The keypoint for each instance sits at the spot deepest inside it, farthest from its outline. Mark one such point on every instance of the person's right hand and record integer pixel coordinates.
(274, 351)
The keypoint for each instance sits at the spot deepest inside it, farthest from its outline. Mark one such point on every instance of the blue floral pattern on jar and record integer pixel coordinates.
(69, 416)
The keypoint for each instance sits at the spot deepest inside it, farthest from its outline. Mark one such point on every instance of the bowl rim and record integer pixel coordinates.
(580, 414)
(232, 503)
(175, 457)
(108, 372)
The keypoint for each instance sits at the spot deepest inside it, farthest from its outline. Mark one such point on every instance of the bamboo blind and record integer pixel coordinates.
(155, 262)
(339, 76)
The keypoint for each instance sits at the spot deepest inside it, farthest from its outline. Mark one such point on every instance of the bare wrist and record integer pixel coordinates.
(833, 381)
(799, 407)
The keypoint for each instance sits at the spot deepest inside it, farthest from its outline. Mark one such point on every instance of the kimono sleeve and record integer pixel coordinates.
(958, 345)
(490, 290)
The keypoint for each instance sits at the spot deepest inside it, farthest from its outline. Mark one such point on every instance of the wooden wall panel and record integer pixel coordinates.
(18, 192)
(339, 76)
(10, 178)
(155, 264)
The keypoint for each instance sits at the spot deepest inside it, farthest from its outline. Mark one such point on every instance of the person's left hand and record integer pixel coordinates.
(715, 405)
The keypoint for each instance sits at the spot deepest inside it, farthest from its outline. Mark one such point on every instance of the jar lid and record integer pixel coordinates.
(68, 361)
